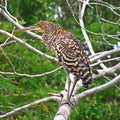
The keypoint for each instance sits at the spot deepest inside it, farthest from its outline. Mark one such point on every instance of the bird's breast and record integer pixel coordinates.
(50, 42)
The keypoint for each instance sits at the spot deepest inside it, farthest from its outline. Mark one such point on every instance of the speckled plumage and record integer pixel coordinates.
(67, 48)
(69, 51)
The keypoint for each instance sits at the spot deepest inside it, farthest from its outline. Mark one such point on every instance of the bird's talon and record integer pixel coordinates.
(66, 102)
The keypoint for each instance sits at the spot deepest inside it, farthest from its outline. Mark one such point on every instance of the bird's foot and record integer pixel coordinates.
(65, 100)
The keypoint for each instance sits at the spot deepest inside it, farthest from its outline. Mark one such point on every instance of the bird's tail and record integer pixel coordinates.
(86, 77)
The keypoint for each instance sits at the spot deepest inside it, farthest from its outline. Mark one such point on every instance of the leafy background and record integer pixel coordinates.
(16, 91)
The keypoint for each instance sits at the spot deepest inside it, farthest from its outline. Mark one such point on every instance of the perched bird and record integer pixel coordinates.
(68, 50)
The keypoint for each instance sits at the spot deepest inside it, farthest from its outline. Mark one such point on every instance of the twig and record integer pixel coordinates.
(109, 21)
(101, 26)
(27, 75)
(72, 12)
(108, 6)
(103, 61)
(7, 43)
(10, 62)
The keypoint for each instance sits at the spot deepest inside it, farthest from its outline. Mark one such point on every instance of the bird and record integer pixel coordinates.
(67, 48)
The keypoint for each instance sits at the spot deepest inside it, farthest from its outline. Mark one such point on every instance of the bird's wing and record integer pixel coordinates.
(72, 56)
(70, 52)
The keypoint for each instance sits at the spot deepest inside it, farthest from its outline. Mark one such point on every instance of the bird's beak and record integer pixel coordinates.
(33, 27)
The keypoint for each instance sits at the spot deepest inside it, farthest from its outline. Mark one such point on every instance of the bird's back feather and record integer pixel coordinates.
(71, 54)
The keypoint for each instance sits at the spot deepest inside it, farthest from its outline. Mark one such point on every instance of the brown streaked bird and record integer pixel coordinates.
(68, 50)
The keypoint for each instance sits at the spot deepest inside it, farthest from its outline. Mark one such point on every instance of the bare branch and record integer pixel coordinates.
(19, 26)
(27, 75)
(97, 89)
(111, 7)
(107, 71)
(29, 46)
(13, 67)
(81, 10)
(109, 21)
(104, 54)
(110, 80)
(30, 105)
(84, 31)
(103, 61)
(85, 3)
(63, 112)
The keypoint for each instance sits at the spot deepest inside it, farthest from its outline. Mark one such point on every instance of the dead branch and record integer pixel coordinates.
(97, 89)
(103, 54)
(19, 26)
(29, 46)
(30, 105)
(27, 75)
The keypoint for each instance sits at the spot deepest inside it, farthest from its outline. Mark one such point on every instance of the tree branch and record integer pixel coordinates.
(103, 54)
(103, 61)
(107, 71)
(19, 26)
(63, 112)
(81, 10)
(29, 46)
(27, 75)
(30, 105)
(97, 89)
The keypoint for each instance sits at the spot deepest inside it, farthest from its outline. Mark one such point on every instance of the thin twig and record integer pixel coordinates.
(10, 62)
(27, 75)
(104, 61)
(115, 23)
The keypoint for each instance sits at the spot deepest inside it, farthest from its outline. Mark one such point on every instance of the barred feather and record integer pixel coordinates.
(71, 54)
(67, 48)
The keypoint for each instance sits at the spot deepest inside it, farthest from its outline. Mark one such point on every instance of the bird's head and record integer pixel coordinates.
(42, 26)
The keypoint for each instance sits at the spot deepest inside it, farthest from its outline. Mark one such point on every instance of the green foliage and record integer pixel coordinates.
(16, 91)
(98, 107)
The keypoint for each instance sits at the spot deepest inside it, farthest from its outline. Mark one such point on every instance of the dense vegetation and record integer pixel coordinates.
(16, 91)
